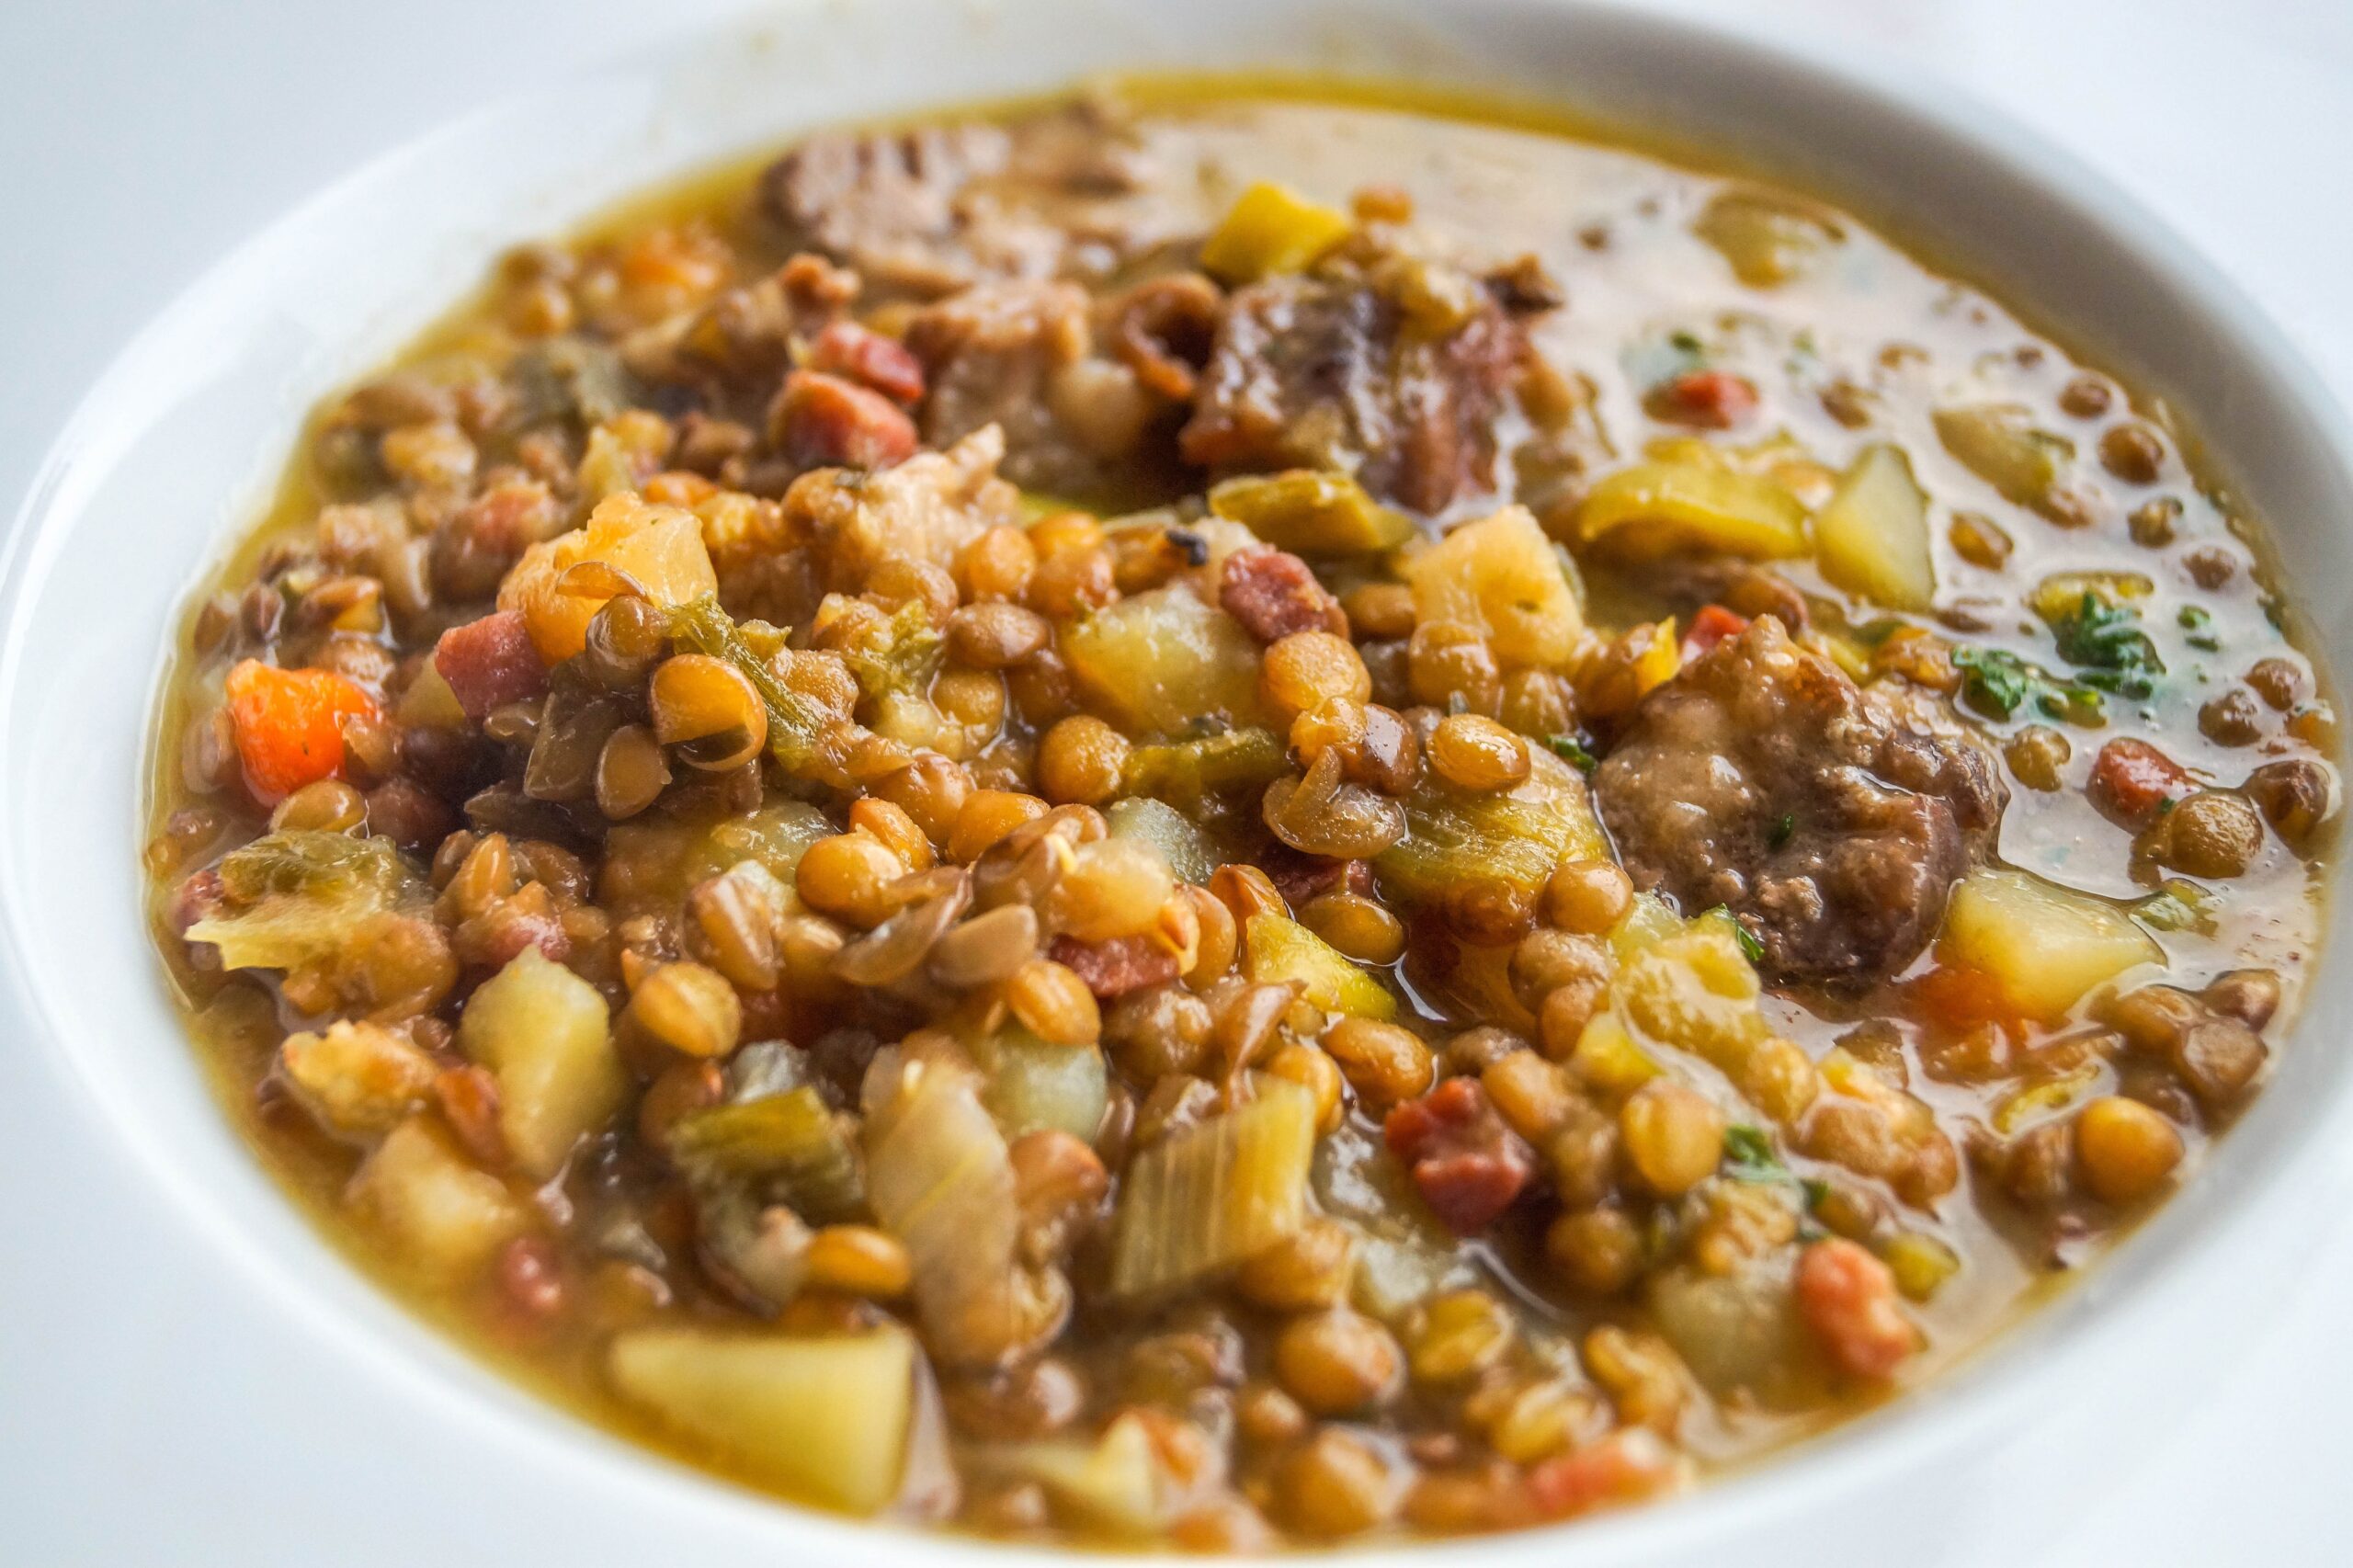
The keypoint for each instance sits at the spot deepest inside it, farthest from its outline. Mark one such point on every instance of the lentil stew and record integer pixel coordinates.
(1229, 818)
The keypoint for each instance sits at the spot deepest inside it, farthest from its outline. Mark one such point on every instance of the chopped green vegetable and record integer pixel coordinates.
(939, 1178)
(2177, 905)
(900, 656)
(789, 1145)
(295, 898)
(1785, 829)
(2199, 621)
(1184, 772)
(1188, 850)
(1516, 836)
(1034, 1085)
(1280, 950)
(794, 722)
(1216, 1193)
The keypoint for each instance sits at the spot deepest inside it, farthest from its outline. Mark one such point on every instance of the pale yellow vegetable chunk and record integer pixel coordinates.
(659, 548)
(1501, 576)
(1215, 1194)
(1653, 509)
(1282, 951)
(1872, 536)
(2000, 443)
(546, 1036)
(823, 1420)
(1117, 1482)
(438, 1211)
(2046, 945)
(1271, 230)
(1162, 659)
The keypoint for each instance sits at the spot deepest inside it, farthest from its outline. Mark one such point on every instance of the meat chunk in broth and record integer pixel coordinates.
(1831, 819)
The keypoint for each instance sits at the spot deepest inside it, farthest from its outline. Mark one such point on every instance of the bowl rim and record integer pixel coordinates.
(1960, 1406)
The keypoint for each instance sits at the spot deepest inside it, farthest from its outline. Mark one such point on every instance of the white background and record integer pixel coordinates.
(139, 141)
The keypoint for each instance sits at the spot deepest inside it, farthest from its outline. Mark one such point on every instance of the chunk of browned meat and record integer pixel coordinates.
(929, 211)
(1468, 1164)
(1275, 595)
(1395, 373)
(1021, 356)
(1832, 821)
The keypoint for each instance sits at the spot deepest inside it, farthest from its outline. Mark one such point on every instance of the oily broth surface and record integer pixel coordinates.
(1615, 226)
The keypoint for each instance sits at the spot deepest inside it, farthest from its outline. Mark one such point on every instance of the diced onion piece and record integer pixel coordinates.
(1280, 951)
(1653, 509)
(1034, 1087)
(545, 1034)
(823, 1420)
(1186, 848)
(939, 1178)
(1162, 660)
(1501, 575)
(1268, 231)
(1217, 1193)
(1739, 1332)
(1872, 537)
(2046, 946)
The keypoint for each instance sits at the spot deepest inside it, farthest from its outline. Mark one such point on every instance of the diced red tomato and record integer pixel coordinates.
(2133, 781)
(1710, 627)
(1711, 400)
(289, 725)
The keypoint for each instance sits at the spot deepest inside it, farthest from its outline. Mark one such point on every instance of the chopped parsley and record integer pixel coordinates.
(2199, 621)
(1749, 1157)
(1998, 683)
(1749, 942)
(1785, 830)
(1570, 750)
(2110, 651)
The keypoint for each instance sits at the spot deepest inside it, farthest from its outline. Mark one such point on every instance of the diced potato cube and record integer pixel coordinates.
(2060, 597)
(1653, 509)
(824, 1419)
(1500, 575)
(2045, 944)
(1271, 230)
(545, 1034)
(1768, 238)
(1872, 537)
(358, 1079)
(1160, 660)
(1280, 951)
(439, 1212)
(660, 547)
(1033, 1086)
(2000, 444)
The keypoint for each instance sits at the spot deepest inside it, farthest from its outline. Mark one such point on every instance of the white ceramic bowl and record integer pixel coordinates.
(190, 1372)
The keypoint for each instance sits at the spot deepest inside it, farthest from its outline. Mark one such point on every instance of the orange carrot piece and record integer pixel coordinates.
(289, 725)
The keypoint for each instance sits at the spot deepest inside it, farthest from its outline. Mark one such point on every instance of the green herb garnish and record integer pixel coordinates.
(1750, 944)
(1749, 1157)
(1998, 683)
(1569, 750)
(1785, 830)
(2199, 621)
(2106, 644)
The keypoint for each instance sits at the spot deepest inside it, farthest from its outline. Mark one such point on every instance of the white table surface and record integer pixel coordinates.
(140, 139)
